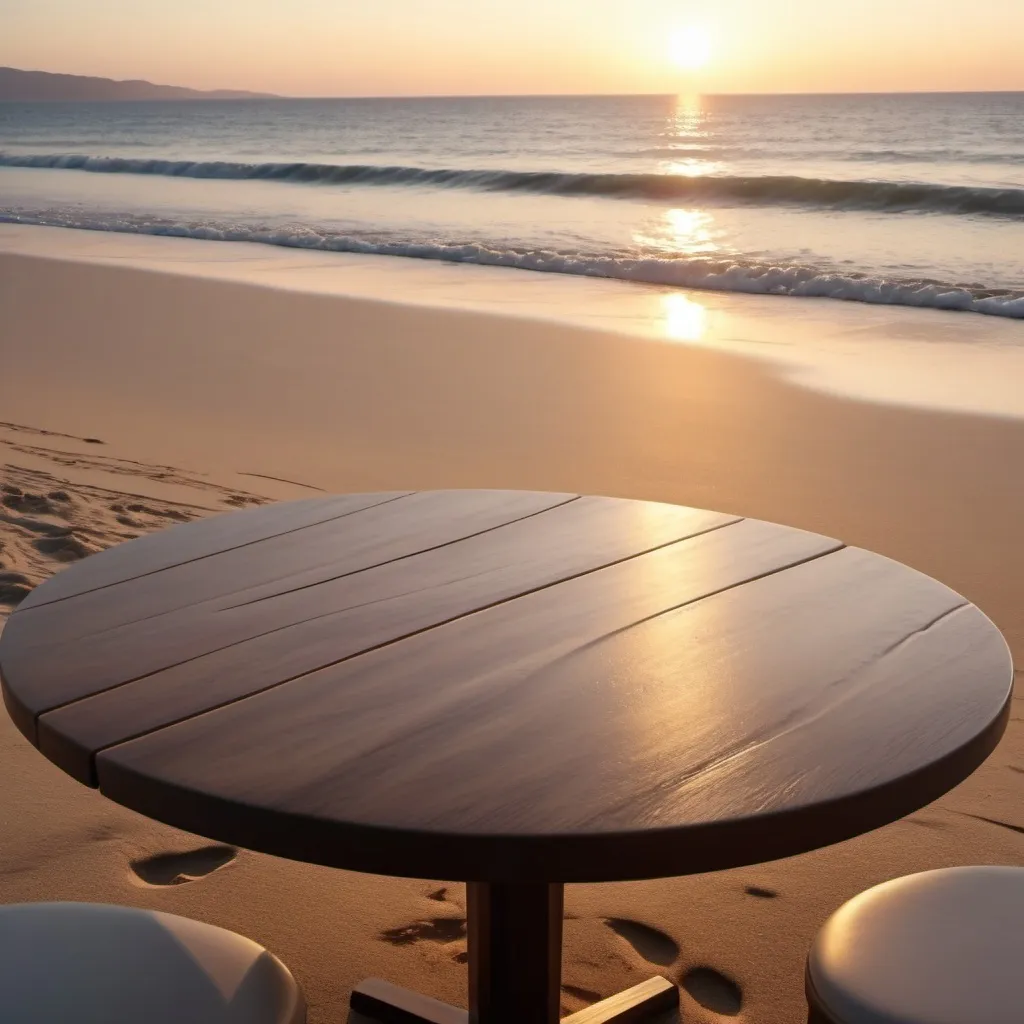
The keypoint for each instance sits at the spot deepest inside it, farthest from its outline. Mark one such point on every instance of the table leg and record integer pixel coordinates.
(515, 953)
(514, 934)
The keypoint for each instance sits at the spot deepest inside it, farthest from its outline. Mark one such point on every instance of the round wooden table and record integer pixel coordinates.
(511, 689)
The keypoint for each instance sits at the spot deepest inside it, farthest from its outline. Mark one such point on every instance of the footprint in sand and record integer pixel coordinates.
(66, 548)
(176, 868)
(28, 503)
(654, 946)
(160, 513)
(714, 991)
(442, 930)
(433, 929)
(22, 511)
(14, 587)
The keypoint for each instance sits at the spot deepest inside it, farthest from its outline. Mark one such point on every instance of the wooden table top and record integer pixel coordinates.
(506, 686)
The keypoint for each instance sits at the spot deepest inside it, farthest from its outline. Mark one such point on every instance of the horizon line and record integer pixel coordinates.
(263, 96)
(629, 95)
(266, 97)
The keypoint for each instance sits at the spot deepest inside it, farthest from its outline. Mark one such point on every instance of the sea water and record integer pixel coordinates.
(914, 200)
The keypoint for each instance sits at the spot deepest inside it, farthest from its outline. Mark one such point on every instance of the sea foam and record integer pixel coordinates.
(744, 275)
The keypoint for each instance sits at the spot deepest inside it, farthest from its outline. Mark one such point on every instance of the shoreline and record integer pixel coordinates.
(208, 391)
(893, 354)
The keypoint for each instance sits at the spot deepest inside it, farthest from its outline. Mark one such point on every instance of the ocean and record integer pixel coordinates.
(913, 200)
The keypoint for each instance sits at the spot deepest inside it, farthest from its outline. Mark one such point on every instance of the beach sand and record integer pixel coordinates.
(137, 398)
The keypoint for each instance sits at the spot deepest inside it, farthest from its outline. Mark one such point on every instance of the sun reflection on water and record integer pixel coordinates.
(689, 230)
(689, 120)
(688, 130)
(692, 167)
(684, 319)
(679, 230)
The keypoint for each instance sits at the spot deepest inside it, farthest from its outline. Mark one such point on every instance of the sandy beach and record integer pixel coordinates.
(142, 389)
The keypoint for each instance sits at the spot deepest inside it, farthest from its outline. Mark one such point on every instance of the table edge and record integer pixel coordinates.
(579, 857)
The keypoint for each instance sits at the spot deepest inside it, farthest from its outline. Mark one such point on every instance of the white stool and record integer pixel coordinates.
(89, 963)
(941, 947)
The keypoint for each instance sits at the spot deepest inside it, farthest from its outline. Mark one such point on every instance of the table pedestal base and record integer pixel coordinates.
(514, 935)
(391, 1004)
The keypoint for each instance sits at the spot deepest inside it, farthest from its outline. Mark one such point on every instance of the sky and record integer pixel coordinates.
(490, 47)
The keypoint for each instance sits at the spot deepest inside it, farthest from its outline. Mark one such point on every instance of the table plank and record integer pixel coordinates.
(177, 545)
(370, 536)
(548, 738)
(572, 537)
(384, 604)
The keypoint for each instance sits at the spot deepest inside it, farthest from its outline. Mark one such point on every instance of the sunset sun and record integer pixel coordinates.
(690, 47)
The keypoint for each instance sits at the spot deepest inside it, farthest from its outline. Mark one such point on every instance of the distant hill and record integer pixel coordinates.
(29, 86)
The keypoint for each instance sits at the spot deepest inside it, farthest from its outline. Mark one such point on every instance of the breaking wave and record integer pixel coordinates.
(733, 274)
(764, 190)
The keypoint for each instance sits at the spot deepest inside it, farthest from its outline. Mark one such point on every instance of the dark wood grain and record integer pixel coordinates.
(178, 545)
(382, 532)
(509, 687)
(176, 666)
(603, 728)
(350, 611)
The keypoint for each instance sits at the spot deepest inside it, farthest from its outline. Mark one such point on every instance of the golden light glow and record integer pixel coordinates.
(679, 231)
(690, 47)
(685, 320)
(688, 231)
(692, 167)
(690, 116)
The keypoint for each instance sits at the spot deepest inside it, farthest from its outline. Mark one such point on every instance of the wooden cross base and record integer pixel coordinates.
(391, 1004)
(514, 938)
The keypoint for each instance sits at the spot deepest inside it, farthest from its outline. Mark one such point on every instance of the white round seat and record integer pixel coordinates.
(88, 963)
(940, 947)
